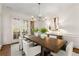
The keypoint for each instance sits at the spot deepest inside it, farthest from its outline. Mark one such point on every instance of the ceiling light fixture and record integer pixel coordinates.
(39, 15)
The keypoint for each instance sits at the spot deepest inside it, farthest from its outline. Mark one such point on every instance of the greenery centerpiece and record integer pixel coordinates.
(35, 31)
(43, 32)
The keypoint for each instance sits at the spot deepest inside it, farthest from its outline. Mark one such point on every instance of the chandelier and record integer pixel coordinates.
(39, 15)
(39, 11)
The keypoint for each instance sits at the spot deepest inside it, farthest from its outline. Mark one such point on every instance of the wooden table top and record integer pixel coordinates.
(49, 43)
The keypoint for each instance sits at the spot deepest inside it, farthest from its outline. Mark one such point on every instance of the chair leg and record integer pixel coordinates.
(23, 53)
(42, 51)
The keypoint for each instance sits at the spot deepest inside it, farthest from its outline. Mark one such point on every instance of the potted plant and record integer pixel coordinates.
(43, 32)
(35, 32)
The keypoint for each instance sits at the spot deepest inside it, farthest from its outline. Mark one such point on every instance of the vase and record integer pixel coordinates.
(36, 34)
(43, 36)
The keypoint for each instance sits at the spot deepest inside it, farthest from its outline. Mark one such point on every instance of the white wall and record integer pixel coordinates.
(6, 27)
(69, 19)
(8, 16)
(0, 24)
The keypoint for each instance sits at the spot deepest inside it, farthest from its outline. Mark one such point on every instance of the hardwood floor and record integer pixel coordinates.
(6, 50)
(76, 50)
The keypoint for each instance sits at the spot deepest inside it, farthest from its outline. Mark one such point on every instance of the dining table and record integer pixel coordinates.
(52, 44)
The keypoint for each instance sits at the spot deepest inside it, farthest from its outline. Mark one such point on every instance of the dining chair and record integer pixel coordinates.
(20, 43)
(72, 37)
(30, 50)
(68, 52)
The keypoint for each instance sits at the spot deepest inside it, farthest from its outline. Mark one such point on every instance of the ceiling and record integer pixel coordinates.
(46, 8)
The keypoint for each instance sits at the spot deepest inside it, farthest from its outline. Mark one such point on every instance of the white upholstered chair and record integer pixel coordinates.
(30, 50)
(74, 39)
(68, 52)
(20, 43)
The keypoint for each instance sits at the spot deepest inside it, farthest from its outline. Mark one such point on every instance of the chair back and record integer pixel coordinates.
(26, 47)
(29, 50)
(69, 48)
(73, 38)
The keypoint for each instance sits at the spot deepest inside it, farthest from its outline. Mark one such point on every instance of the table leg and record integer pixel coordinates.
(42, 51)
